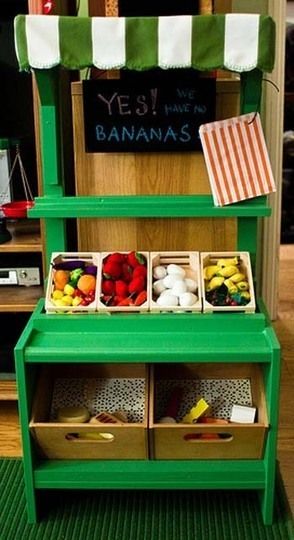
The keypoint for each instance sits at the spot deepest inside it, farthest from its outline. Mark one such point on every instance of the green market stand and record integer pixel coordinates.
(150, 337)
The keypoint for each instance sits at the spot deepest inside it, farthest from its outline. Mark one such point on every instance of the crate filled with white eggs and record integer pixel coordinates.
(175, 281)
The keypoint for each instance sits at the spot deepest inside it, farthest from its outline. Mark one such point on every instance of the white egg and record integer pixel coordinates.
(170, 280)
(158, 286)
(159, 272)
(191, 284)
(166, 291)
(167, 420)
(167, 300)
(175, 269)
(188, 299)
(179, 287)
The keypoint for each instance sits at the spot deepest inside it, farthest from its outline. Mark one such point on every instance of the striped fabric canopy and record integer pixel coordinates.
(233, 42)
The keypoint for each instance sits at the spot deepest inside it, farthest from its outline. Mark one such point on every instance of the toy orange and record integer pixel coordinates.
(60, 279)
(86, 283)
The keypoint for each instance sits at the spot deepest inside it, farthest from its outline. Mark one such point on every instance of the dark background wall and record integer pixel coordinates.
(16, 102)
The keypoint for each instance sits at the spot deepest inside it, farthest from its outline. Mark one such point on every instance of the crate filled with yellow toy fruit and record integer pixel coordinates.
(227, 282)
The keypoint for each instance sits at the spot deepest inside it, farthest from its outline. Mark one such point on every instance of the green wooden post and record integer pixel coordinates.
(250, 101)
(247, 238)
(53, 185)
(272, 385)
(25, 383)
(251, 89)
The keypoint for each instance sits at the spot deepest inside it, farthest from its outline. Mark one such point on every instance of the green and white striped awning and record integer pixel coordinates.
(233, 42)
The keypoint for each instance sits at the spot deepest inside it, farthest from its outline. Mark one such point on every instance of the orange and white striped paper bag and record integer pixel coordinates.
(237, 159)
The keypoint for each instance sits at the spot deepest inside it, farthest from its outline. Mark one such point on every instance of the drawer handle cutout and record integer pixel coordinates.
(90, 437)
(207, 437)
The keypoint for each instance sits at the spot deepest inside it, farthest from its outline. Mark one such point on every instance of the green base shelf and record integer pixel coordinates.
(150, 474)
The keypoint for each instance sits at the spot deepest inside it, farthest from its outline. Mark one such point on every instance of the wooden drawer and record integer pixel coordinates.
(97, 387)
(196, 440)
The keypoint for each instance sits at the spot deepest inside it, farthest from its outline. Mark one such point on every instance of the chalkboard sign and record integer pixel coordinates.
(146, 116)
(151, 8)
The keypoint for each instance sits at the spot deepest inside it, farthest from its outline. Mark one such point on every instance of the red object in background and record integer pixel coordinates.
(16, 209)
(47, 7)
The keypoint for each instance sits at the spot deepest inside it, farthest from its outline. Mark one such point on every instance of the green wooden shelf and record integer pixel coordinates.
(150, 337)
(201, 474)
(145, 206)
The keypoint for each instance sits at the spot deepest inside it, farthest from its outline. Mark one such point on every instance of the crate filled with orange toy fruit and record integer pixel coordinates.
(72, 283)
(123, 281)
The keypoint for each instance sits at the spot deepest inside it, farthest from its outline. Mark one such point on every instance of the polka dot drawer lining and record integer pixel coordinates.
(220, 394)
(100, 394)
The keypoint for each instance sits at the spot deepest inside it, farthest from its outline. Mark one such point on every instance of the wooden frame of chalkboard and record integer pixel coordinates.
(160, 114)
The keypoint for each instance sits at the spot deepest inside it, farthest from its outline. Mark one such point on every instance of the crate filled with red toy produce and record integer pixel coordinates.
(72, 283)
(175, 281)
(227, 282)
(123, 281)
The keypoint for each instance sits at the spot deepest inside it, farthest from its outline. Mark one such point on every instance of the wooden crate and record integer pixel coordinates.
(189, 261)
(56, 440)
(181, 440)
(210, 259)
(117, 309)
(89, 259)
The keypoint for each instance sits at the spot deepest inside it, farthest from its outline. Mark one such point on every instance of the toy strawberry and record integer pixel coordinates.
(116, 257)
(136, 285)
(134, 258)
(127, 272)
(140, 271)
(112, 270)
(121, 288)
(108, 286)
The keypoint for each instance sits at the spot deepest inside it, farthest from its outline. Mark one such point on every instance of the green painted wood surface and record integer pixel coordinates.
(150, 337)
(201, 474)
(145, 206)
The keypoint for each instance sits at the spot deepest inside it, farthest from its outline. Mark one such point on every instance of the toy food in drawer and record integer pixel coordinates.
(175, 281)
(207, 411)
(227, 283)
(72, 283)
(91, 412)
(123, 281)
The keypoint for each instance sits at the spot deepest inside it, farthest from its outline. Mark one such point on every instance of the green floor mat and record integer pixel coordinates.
(137, 515)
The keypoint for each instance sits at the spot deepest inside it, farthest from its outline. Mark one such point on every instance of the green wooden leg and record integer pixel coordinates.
(272, 384)
(25, 393)
(267, 501)
(247, 238)
(55, 234)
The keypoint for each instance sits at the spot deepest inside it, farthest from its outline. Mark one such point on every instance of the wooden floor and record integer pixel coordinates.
(10, 444)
